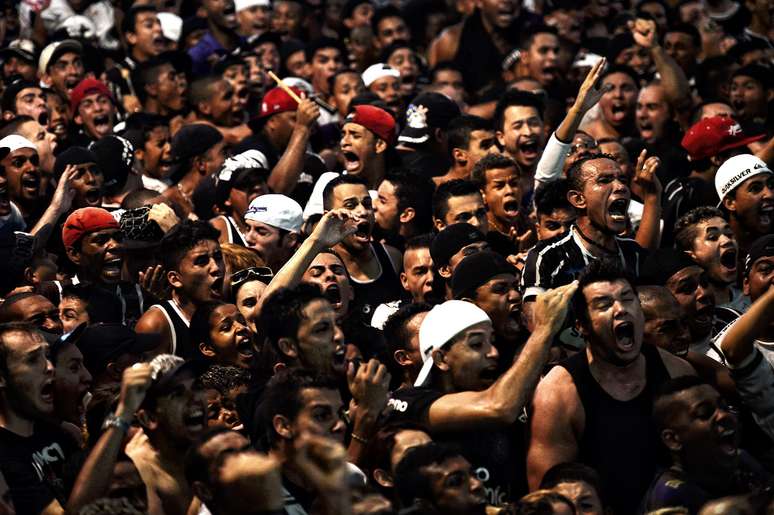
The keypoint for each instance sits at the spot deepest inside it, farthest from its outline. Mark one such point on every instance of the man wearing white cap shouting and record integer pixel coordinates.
(384, 81)
(273, 225)
(21, 174)
(253, 17)
(459, 396)
(745, 186)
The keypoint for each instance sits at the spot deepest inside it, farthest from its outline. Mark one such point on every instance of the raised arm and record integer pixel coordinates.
(285, 173)
(672, 77)
(94, 478)
(502, 402)
(648, 187)
(60, 204)
(738, 343)
(549, 168)
(330, 230)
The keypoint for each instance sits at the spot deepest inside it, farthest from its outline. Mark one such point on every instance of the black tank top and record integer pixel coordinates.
(384, 288)
(234, 234)
(619, 439)
(179, 327)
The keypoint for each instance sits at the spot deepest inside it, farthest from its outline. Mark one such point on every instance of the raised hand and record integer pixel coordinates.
(645, 182)
(308, 112)
(65, 190)
(164, 216)
(551, 307)
(334, 226)
(323, 463)
(135, 382)
(644, 32)
(369, 385)
(154, 280)
(591, 90)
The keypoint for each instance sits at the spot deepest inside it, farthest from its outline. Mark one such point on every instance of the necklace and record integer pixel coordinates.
(594, 243)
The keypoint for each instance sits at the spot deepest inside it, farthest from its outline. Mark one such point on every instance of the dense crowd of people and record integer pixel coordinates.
(377, 257)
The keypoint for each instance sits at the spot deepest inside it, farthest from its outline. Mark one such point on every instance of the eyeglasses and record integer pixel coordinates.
(253, 273)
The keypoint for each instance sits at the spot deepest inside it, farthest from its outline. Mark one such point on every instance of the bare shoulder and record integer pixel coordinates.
(444, 47)
(152, 321)
(395, 256)
(675, 365)
(556, 393)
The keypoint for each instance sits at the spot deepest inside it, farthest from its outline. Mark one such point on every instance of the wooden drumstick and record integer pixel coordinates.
(284, 87)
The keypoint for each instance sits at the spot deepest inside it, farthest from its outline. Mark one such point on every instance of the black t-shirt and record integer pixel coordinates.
(558, 261)
(34, 466)
(497, 454)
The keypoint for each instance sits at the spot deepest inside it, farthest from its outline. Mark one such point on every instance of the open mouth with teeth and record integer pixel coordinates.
(43, 118)
(102, 124)
(728, 441)
(550, 72)
(333, 294)
(340, 358)
(766, 214)
(624, 335)
(728, 259)
(351, 162)
(112, 266)
(617, 210)
(704, 316)
(619, 111)
(195, 419)
(30, 183)
(244, 346)
(363, 232)
(47, 392)
(489, 374)
(529, 148)
(93, 197)
(511, 207)
(216, 288)
(645, 127)
(159, 42)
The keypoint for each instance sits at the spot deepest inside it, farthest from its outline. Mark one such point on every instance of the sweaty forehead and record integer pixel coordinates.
(32, 305)
(606, 287)
(602, 165)
(345, 191)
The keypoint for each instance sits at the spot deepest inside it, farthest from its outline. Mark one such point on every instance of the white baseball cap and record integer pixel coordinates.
(276, 210)
(442, 324)
(241, 5)
(53, 51)
(377, 71)
(171, 25)
(735, 171)
(14, 142)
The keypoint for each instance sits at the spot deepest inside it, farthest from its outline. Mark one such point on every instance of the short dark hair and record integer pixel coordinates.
(377, 455)
(416, 191)
(395, 330)
(282, 312)
(575, 176)
(225, 377)
(201, 89)
(129, 23)
(282, 396)
(516, 97)
(324, 42)
(621, 68)
(661, 408)
(148, 73)
(528, 37)
(102, 305)
(411, 483)
(13, 125)
(599, 270)
(182, 238)
(551, 196)
(571, 472)
(420, 241)
(460, 129)
(685, 227)
(541, 502)
(200, 324)
(452, 67)
(491, 162)
(386, 11)
(686, 28)
(5, 307)
(447, 190)
(331, 186)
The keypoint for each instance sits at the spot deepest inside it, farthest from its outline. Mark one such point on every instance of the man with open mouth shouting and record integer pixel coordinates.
(21, 177)
(193, 262)
(93, 110)
(616, 376)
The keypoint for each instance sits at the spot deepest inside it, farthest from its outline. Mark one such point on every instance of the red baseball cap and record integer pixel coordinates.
(274, 101)
(85, 221)
(375, 119)
(84, 88)
(710, 136)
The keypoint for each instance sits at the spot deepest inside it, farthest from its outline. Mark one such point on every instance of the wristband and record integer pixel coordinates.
(113, 420)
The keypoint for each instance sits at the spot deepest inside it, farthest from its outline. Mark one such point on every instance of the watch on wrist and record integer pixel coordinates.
(114, 420)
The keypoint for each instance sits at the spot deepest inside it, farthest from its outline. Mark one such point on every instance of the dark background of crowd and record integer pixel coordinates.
(372, 257)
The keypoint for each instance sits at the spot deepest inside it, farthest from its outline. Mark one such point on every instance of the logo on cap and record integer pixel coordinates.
(734, 129)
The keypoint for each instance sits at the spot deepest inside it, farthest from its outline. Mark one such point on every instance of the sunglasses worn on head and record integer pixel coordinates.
(259, 273)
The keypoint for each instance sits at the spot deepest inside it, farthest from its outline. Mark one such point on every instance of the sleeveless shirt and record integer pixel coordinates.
(179, 327)
(619, 438)
(386, 287)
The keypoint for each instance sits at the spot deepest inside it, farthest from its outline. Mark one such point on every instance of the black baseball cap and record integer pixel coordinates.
(477, 269)
(762, 247)
(102, 343)
(451, 240)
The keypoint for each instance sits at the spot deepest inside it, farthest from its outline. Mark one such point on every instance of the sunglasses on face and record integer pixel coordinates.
(253, 273)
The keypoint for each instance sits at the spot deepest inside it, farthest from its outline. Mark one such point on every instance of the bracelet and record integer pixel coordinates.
(113, 420)
(356, 437)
